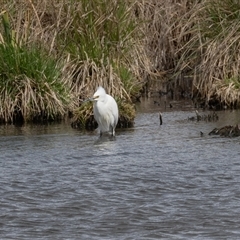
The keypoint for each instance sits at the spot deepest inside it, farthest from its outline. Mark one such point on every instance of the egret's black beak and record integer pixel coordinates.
(91, 99)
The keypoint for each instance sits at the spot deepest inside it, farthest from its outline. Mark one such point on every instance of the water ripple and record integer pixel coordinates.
(151, 182)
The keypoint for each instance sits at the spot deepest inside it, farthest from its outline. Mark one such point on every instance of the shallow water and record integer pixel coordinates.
(150, 182)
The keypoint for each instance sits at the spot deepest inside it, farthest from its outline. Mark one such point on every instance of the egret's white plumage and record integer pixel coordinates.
(105, 111)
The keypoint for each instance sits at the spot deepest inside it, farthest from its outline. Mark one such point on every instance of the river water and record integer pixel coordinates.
(150, 182)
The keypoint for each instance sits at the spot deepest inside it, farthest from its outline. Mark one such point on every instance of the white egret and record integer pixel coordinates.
(105, 111)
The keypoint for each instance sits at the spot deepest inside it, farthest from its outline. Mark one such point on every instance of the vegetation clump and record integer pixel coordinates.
(62, 52)
(83, 116)
(218, 74)
(31, 84)
(227, 131)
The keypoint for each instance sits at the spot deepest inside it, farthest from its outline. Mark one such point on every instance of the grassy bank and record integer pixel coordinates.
(54, 54)
(59, 52)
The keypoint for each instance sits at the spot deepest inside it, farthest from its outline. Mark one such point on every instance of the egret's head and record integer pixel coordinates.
(99, 95)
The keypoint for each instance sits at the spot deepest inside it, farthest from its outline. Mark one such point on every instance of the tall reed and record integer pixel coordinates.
(218, 75)
(98, 38)
(168, 33)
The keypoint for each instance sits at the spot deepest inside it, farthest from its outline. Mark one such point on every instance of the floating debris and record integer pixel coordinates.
(227, 131)
(211, 117)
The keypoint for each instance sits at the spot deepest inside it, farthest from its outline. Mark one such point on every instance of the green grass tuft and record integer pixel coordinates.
(31, 84)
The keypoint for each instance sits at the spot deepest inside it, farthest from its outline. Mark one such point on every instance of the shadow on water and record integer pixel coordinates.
(148, 182)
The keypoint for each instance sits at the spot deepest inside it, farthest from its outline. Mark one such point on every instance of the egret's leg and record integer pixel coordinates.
(113, 132)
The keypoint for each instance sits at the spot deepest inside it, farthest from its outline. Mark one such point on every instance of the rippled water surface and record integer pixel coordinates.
(150, 182)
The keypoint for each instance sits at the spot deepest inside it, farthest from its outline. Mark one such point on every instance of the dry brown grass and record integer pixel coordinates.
(167, 30)
(217, 75)
(193, 45)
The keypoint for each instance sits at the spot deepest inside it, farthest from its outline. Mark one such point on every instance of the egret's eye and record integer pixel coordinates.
(95, 97)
